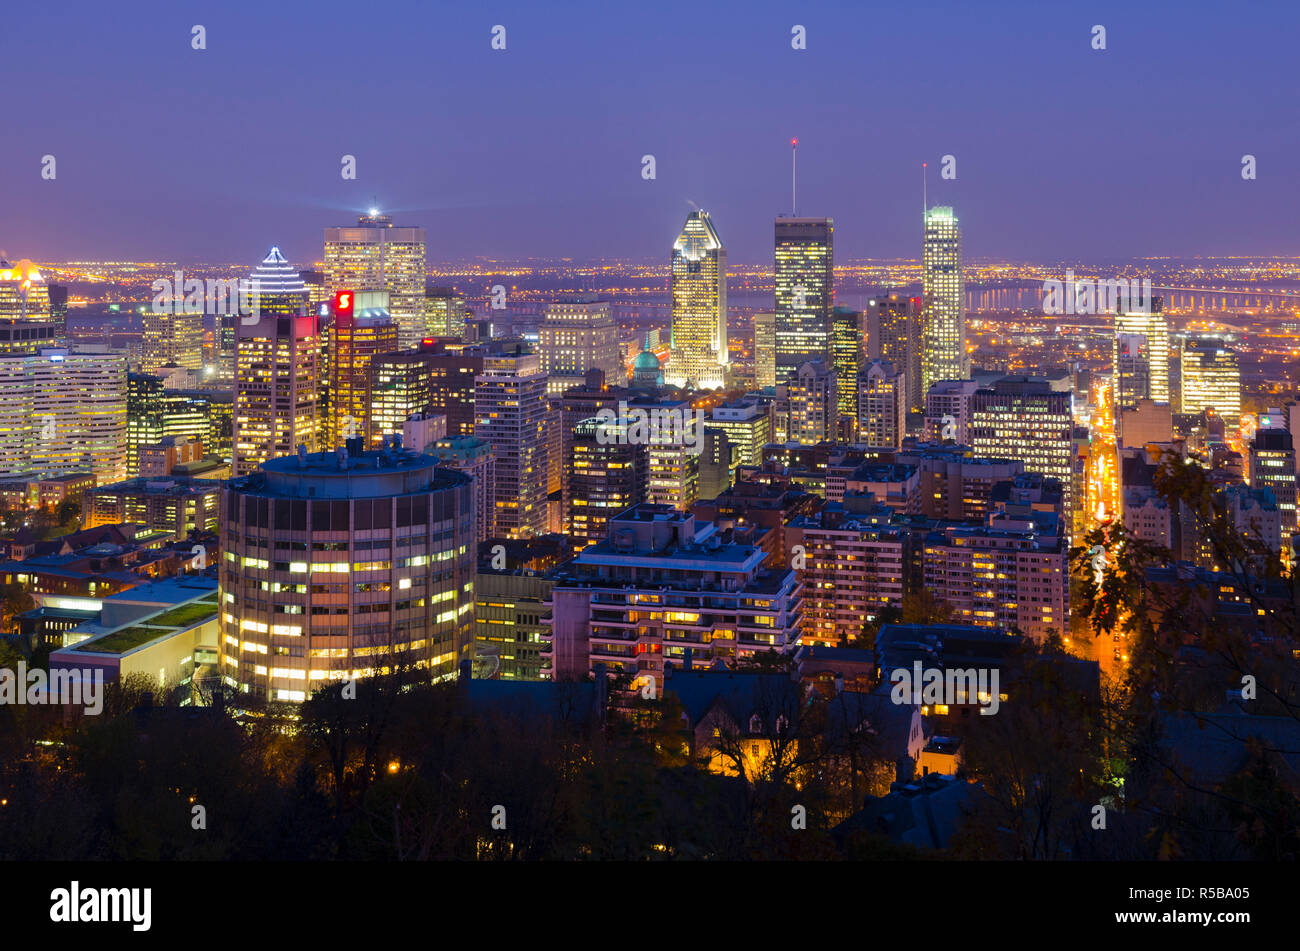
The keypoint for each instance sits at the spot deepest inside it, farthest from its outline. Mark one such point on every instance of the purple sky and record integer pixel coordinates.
(167, 153)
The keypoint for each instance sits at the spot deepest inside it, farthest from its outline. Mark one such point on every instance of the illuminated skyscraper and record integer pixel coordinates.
(1152, 326)
(699, 305)
(606, 474)
(172, 339)
(1273, 465)
(375, 256)
(944, 287)
(445, 311)
(805, 293)
(1025, 418)
(1132, 370)
(510, 414)
(154, 414)
(579, 334)
(893, 333)
(276, 368)
(764, 349)
(1212, 380)
(357, 336)
(846, 345)
(27, 318)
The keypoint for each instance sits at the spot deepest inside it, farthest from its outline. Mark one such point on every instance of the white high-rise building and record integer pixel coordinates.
(510, 413)
(576, 335)
(1149, 323)
(882, 404)
(943, 338)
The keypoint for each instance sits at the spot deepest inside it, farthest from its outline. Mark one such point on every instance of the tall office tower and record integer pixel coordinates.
(944, 287)
(58, 306)
(813, 395)
(318, 289)
(358, 335)
(400, 387)
(606, 474)
(64, 411)
(1151, 325)
(1211, 380)
(1024, 418)
(510, 414)
(748, 425)
(453, 370)
(445, 311)
(172, 339)
(699, 305)
(276, 369)
(947, 411)
(384, 573)
(882, 405)
(154, 414)
(474, 457)
(578, 334)
(805, 293)
(375, 256)
(893, 334)
(1132, 370)
(764, 349)
(27, 320)
(847, 354)
(1273, 465)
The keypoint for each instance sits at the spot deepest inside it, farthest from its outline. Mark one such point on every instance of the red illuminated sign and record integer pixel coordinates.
(343, 303)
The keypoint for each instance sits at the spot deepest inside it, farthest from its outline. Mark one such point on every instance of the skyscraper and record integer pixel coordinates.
(375, 256)
(510, 414)
(764, 349)
(846, 347)
(805, 293)
(1211, 379)
(1025, 418)
(172, 338)
(578, 334)
(699, 305)
(606, 474)
(1273, 465)
(445, 311)
(944, 288)
(893, 333)
(357, 336)
(1149, 322)
(1132, 370)
(813, 395)
(276, 368)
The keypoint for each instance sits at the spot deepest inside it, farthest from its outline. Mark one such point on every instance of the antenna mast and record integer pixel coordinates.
(794, 204)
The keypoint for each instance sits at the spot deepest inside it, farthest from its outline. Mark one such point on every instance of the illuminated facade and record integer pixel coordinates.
(276, 369)
(1211, 380)
(813, 396)
(764, 350)
(805, 293)
(748, 425)
(336, 567)
(1024, 418)
(1132, 370)
(846, 348)
(445, 311)
(400, 387)
(893, 334)
(172, 339)
(699, 305)
(154, 414)
(64, 411)
(944, 288)
(882, 405)
(475, 458)
(1153, 327)
(24, 296)
(375, 256)
(576, 335)
(510, 414)
(356, 338)
(606, 475)
(1273, 466)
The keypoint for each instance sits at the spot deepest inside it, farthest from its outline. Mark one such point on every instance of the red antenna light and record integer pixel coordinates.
(794, 141)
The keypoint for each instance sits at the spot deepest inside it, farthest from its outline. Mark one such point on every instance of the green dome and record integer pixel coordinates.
(645, 360)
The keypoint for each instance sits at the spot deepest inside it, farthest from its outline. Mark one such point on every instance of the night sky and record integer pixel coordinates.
(1063, 152)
